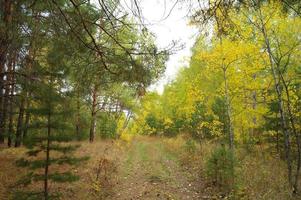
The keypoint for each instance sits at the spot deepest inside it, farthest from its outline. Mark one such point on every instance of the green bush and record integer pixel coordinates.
(220, 168)
(107, 126)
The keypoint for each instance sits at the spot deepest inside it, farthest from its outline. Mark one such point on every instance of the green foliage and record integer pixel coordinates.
(107, 126)
(156, 125)
(21, 195)
(33, 195)
(49, 132)
(220, 168)
(63, 177)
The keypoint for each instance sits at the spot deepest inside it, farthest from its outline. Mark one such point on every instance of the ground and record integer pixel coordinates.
(151, 168)
(150, 172)
(116, 170)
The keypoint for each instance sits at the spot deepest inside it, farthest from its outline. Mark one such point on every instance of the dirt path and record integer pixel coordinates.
(150, 172)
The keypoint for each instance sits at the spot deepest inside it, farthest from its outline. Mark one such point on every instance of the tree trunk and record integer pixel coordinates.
(10, 105)
(127, 119)
(92, 127)
(277, 136)
(47, 156)
(93, 114)
(27, 117)
(77, 126)
(4, 45)
(10, 125)
(254, 107)
(296, 134)
(283, 124)
(4, 113)
(231, 133)
(20, 123)
(25, 94)
(6, 98)
(282, 113)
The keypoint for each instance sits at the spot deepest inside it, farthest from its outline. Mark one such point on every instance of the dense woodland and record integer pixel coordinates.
(73, 71)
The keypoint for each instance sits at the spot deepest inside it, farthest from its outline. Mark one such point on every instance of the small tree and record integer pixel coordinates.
(220, 168)
(48, 136)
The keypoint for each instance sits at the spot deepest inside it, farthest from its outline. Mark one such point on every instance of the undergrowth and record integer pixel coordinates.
(255, 175)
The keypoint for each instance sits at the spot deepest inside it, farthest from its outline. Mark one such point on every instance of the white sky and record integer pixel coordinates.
(174, 27)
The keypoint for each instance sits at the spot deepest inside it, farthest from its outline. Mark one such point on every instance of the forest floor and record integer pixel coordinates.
(148, 168)
(148, 171)
(141, 169)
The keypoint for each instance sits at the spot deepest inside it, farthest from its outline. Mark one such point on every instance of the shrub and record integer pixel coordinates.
(220, 168)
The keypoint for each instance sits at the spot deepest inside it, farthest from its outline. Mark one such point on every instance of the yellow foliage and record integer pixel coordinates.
(126, 137)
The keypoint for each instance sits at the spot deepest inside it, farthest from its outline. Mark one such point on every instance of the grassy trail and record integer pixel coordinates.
(149, 172)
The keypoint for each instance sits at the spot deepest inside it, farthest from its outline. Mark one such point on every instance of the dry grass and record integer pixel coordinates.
(262, 176)
(96, 174)
(259, 176)
(9, 173)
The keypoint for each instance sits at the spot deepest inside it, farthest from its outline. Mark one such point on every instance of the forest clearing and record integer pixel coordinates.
(143, 99)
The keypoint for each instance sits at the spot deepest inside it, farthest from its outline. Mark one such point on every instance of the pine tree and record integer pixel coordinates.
(48, 134)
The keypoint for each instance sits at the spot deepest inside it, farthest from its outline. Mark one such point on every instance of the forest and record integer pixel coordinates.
(78, 119)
